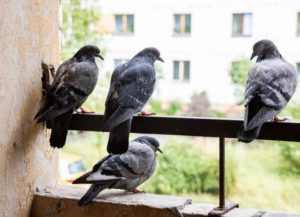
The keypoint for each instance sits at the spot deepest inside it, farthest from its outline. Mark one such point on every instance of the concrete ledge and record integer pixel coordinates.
(62, 202)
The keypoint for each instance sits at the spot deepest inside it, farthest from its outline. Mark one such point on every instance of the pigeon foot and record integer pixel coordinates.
(83, 111)
(278, 120)
(145, 114)
(135, 191)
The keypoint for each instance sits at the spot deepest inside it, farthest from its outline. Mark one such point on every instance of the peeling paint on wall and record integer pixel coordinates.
(29, 34)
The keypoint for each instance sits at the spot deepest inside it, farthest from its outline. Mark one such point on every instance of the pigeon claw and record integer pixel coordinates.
(135, 191)
(278, 120)
(85, 112)
(146, 114)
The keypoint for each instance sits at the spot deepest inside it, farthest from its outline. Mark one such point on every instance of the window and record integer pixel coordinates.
(182, 23)
(124, 24)
(298, 24)
(119, 61)
(181, 70)
(242, 24)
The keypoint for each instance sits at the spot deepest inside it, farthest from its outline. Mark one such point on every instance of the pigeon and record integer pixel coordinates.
(131, 86)
(271, 84)
(74, 81)
(125, 171)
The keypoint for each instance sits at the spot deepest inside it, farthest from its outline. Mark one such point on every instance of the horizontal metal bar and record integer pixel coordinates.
(189, 126)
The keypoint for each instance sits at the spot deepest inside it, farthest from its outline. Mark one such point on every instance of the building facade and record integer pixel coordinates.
(198, 39)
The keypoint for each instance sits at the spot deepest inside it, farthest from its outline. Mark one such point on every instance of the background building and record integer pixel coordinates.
(198, 39)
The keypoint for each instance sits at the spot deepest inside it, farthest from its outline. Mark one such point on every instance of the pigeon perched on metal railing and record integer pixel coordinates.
(271, 84)
(131, 86)
(126, 171)
(74, 81)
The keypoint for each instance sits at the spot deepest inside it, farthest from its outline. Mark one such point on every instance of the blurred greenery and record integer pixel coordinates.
(290, 154)
(238, 73)
(239, 70)
(78, 27)
(185, 168)
(171, 108)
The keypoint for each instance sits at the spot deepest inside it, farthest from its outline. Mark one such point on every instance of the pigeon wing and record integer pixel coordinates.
(129, 94)
(70, 88)
(104, 172)
(270, 86)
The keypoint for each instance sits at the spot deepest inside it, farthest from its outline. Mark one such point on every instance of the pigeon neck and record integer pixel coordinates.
(146, 59)
(269, 55)
(83, 58)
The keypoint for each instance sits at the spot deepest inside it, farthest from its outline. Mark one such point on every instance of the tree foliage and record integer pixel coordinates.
(238, 73)
(78, 26)
(184, 168)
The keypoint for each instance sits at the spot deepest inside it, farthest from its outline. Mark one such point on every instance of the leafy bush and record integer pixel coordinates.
(290, 154)
(184, 168)
(238, 73)
(172, 108)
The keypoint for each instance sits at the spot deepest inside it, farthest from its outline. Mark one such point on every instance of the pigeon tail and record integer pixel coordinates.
(248, 136)
(60, 126)
(93, 191)
(118, 138)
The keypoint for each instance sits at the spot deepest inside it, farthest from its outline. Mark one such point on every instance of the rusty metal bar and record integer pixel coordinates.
(221, 172)
(188, 126)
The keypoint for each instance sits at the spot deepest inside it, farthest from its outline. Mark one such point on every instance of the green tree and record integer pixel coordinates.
(238, 73)
(78, 27)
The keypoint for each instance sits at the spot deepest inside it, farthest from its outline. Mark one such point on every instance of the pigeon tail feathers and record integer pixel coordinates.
(93, 191)
(60, 126)
(118, 138)
(248, 136)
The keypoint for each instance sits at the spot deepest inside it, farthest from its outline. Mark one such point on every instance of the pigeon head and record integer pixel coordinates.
(88, 52)
(265, 49)
(152, 142)
(151, 53)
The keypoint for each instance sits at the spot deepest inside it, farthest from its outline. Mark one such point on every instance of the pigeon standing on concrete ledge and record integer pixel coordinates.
(74, 81)
(131, 86)
(126, 171)
(271, 84)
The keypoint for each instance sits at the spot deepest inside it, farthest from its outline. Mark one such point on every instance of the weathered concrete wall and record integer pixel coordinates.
(29, 34)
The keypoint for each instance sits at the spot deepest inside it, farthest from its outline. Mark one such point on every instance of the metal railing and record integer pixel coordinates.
(189, 126)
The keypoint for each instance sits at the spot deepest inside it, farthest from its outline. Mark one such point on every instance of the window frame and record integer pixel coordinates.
(182, 24)
(242, 24)
(125, 27)
(182, 73)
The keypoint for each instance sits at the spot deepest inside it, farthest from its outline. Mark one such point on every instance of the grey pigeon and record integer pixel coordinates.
(271, 84)
(126, 171)
(74, 81)
(131, 86)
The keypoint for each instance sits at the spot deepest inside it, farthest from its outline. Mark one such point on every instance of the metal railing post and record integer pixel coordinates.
(221, 172)
(222, 208)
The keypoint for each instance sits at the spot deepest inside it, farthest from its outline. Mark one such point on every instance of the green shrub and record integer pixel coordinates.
(290, 154)
(184, 169)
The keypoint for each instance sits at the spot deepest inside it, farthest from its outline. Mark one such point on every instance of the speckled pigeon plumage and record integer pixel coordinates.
(271, 84)
(131, 86)
(74, 81)
(126, 171)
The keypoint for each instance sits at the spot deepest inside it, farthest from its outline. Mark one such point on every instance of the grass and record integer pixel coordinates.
(259, 182)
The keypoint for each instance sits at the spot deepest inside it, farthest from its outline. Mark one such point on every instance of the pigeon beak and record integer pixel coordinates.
(160, 59)
(98, 55)
(158, 149)
(253, 55)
